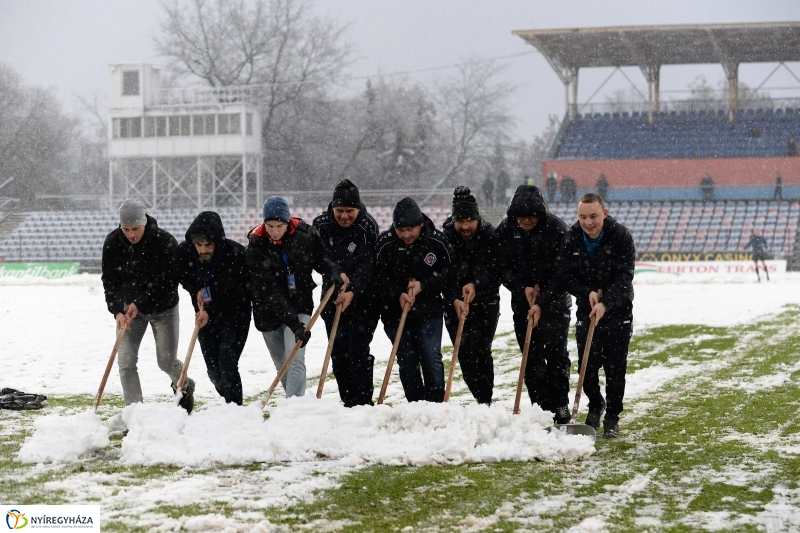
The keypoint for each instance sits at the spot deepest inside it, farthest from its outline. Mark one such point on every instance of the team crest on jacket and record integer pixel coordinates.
(351, 247)
(430, 259)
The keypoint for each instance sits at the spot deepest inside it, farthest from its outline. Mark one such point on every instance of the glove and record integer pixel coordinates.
(300, 334)
(337, 282)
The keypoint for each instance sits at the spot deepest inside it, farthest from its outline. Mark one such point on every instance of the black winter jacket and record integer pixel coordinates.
(273, 302)
(353, 249)
(477, 261)
(226, 273)
(140, 273)
(428, 260)
(611, 270)
(531, 257)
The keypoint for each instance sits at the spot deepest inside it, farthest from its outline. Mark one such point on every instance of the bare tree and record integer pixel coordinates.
(473, 116)
(276, 44)
(35, 140)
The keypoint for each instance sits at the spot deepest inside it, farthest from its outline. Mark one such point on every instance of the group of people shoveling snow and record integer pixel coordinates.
(413, 277)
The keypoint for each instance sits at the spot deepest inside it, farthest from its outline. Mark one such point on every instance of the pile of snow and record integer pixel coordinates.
(306, 429)
(64, 438)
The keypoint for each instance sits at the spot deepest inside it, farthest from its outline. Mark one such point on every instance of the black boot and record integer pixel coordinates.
(593, 418)
(610, 428)
(562, 416)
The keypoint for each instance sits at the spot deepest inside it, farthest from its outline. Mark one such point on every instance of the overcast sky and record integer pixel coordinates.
(67, 44)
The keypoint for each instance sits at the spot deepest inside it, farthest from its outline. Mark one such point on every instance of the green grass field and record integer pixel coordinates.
(711, 443)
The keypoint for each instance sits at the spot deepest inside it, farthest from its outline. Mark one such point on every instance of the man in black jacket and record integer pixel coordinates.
(280, 254)
(476, 262)
(413, 265)
(213, 271)
(140, 290)
(599, 254)
(349, 234)
(531, 239)
(760, 247)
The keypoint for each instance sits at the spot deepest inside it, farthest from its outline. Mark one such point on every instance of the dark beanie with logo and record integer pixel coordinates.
(465, 207)
(346, 195)
(407, 214)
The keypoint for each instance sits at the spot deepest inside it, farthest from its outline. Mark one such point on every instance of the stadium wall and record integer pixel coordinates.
(678, 173)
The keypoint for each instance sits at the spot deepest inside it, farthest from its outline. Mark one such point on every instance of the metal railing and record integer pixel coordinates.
(667, 106)
(196, 96)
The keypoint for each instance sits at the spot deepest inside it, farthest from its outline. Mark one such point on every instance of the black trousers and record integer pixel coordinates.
(609, 351)
(222, 345)
(547, 369)
(351, 361)
(475, 352)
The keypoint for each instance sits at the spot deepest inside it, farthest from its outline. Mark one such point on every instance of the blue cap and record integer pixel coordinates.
(276, 208)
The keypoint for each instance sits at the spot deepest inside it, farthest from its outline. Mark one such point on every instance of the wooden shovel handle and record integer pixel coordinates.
(584, 362)
(331, 341)
(456, 347)
(297, 345)
(109, 366)
(395, 346)
(524, 363)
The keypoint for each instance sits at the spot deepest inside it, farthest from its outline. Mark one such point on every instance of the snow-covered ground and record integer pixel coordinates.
(56, 338)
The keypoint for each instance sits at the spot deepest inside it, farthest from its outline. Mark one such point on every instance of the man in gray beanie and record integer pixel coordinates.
(413, 266)
(140, 290)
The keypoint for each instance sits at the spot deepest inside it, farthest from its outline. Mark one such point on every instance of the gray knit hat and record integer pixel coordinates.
(132, 213)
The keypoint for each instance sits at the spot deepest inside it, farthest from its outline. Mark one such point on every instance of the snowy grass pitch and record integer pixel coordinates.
(710, 434)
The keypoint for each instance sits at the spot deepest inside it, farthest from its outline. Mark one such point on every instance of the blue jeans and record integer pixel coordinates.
(280, 343)
(420, 349)
(165, 330)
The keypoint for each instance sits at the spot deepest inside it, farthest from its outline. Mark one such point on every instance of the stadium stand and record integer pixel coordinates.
(79, 235)
(753, 133)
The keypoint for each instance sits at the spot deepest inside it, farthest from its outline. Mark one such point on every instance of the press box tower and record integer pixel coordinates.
(173, 148)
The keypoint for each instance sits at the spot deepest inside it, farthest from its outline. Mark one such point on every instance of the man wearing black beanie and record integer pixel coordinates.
(532, 239)
(477, 265)
(413, 265)
(349, 234)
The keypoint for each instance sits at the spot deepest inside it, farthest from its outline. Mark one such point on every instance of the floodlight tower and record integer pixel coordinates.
(181, 148)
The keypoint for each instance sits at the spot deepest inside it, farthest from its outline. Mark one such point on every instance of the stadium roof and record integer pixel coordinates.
(667, 45)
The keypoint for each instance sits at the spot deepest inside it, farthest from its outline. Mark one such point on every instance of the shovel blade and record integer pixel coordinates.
(574, 429)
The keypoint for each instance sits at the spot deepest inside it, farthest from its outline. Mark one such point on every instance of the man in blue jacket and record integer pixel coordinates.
(213, 271)
(599, 254)
(349, 233)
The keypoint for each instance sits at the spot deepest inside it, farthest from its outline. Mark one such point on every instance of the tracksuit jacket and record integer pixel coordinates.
(427, 260)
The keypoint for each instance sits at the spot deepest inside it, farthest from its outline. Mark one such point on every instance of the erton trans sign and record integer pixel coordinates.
(52, 517)
(707, 268)
(38, 270)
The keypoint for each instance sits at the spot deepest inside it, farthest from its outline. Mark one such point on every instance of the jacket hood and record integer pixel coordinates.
(527, 201)
(209, 224)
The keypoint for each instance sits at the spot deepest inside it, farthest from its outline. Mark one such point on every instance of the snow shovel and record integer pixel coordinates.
(573, 428)
(186, 361)
(331, 341)
(297, 345)
(453, 361)
(395, 346)
(109, 365)
(524, 363)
